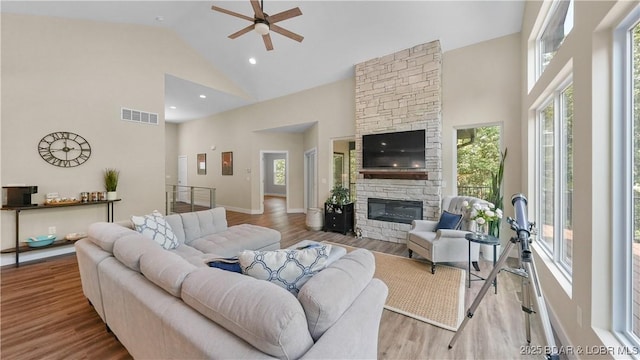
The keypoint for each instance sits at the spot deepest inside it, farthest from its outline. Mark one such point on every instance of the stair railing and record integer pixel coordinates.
(180, 198)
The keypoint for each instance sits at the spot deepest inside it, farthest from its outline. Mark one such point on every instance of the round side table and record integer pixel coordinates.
(486, 240)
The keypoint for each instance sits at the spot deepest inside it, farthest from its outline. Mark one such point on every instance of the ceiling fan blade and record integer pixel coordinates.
(257, 9)
(229, 12)
(287, 33)
(284, 15)
(241, 32)
(267, 42)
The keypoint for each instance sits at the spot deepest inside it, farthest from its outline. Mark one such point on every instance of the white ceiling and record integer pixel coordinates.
(337, 35)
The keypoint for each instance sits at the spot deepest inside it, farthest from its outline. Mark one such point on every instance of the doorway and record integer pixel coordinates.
(274, 176)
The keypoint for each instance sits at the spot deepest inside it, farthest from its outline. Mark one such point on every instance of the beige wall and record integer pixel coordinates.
(486, 93)
(581, 309)
(245, 131)
(73, 75)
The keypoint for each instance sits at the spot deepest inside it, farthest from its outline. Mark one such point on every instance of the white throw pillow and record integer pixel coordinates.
(289, 269)
(155, 227)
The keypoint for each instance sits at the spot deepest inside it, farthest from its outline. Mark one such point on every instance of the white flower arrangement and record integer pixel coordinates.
(482, 213)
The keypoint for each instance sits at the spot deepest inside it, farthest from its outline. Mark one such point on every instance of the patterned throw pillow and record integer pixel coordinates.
(288, 268)
(155, 227)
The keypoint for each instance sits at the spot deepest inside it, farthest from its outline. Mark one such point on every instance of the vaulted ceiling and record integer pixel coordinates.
(337, 35)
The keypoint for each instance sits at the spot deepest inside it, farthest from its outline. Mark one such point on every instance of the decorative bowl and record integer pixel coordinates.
(41, 240)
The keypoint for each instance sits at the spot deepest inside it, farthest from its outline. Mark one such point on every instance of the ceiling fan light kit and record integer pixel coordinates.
(261, 28)
(263, 23)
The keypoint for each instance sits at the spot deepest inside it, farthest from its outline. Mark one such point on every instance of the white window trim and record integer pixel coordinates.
(547, 18)
(553, 255)
(621, 192)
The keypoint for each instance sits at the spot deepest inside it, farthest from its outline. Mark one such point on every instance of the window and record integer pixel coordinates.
(555, 177)
(634, 210)
(634, 241)
(558, 24)
(626, 180)
(279, 171)
(478, 158)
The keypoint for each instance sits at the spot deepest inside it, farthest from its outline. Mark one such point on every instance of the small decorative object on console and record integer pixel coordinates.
(41, 240)
(75, 236)
(55, 199)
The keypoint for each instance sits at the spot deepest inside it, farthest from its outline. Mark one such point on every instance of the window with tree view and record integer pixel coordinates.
(279, 171)
(559, 24)
(626, 186)
(634, 243)
(555, 177)
(478, 154)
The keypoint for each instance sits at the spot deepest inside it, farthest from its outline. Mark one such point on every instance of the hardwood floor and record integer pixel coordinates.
(44, 314)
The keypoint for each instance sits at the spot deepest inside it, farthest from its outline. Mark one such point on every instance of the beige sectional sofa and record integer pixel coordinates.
(169, 304)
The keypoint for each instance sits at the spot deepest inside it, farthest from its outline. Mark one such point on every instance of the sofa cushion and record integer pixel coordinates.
(288, 268)
(201, 223)
(129, 249)
(156, 228)
(264, 315)
(237, 238)
(327, 295)
(175, 221)
(165, 269)
(105, 234)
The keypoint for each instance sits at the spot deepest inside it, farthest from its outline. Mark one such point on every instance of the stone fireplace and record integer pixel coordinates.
(399, 92)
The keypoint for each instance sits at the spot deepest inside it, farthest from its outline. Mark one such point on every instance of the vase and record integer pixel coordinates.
(482, 229)
(112, 195)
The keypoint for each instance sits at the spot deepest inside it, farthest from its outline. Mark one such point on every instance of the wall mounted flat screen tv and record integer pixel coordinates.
(403, 150)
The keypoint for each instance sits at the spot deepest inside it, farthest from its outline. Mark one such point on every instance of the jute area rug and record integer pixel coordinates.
(437, 299)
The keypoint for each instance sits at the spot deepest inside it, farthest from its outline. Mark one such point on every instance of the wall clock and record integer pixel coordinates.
(64, 149)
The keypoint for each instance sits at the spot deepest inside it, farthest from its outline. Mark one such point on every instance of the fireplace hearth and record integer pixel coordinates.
(397, 211)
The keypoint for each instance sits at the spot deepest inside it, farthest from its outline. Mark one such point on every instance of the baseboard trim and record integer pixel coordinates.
(34, 255)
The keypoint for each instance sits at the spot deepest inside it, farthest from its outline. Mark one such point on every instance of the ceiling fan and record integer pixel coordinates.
(262, 23)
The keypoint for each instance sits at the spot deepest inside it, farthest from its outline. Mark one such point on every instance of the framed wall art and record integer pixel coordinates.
(202, 164)
(227, 163)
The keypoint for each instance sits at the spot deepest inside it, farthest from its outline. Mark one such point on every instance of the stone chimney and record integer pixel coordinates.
(400, 92)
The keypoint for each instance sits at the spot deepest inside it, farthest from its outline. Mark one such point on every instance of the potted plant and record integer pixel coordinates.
(111, 183)
(495, 194)
(339, 196)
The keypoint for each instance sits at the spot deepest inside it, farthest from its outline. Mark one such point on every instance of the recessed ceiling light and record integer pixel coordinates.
(159, 18)
(172, 107)
(203, 96)
(252, 61)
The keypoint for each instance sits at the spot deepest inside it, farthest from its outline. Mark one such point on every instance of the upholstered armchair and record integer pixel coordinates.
(445, 245)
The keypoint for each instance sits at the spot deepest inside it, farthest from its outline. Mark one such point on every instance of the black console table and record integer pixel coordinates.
(338, 217)
(19, 209)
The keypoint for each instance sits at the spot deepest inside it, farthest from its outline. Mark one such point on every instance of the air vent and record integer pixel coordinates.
(139, 116)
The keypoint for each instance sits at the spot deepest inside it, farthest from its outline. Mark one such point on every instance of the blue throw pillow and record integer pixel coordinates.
(449, 221)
